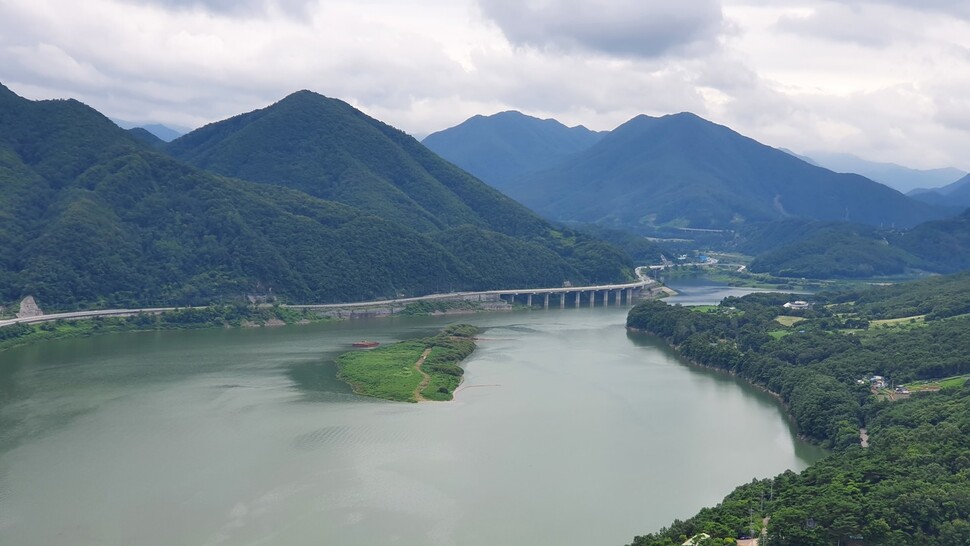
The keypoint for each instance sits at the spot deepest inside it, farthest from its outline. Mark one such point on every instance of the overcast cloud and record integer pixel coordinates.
(883, 79)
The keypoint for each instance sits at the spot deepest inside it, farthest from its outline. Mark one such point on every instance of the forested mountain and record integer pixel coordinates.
(897, 177)
(502, 147)
(329, 149)
(146, 137)
(92, 217)
(685, 172)
(908, 484)
(841, 250)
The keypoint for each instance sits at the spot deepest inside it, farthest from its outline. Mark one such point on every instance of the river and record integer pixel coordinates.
(567, 430)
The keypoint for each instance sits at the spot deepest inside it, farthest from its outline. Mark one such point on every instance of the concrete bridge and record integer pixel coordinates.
(563, 296)
(566, 296)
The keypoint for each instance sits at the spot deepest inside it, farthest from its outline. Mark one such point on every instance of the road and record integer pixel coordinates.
(75, 315)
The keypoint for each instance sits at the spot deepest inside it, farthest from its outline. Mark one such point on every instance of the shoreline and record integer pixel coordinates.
(777, 397)
(113, 321)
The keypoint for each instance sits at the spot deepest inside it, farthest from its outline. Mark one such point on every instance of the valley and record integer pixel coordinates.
(309, 210)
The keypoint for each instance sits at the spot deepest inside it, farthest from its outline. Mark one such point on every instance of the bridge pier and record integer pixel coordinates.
(528, 301)
(562, 300)
(606, 298)
(629, 296)
(579, 296)
(592, 298)
(545, 303)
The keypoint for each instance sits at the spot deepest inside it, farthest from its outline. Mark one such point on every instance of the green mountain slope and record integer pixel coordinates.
(502, 147)
(328, 149)
(680, 171)
(91, 217)
(840, 250)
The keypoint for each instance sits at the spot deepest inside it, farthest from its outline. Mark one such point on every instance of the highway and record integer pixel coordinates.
(76, 315)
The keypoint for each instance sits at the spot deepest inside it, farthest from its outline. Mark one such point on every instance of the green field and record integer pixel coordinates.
(787, 320)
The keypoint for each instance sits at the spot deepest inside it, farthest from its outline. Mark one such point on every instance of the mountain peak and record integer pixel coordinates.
(501, 147)
(6, 93)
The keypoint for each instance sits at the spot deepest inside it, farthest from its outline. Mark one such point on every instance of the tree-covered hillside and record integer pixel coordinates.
(840, 250)
(91, 217)
(328, 149)
(685, 172)
(910, 485)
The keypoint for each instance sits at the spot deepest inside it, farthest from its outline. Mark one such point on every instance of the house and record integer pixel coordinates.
(797, 305)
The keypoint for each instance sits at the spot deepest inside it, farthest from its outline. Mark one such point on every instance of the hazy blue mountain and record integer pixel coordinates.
(92, 217)
(501, 147)
(681, 171)
(956, 194)
(163, 132)
(804, 158)
(895, 176)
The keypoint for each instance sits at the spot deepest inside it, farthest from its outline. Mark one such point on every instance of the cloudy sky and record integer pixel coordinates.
(887, 80)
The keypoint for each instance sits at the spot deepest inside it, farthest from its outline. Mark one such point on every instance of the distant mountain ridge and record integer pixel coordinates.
(683, 171)
(898, 177)
(161, 132)
(502, 147)
(955, 194)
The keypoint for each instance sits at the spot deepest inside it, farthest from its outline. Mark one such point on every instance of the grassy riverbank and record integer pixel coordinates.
(411, 371)
(216, 316)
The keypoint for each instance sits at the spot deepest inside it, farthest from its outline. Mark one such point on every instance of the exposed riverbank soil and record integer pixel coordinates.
(425, 378)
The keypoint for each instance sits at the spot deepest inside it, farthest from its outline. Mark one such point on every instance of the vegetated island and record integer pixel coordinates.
(830, 361)
(411, 371)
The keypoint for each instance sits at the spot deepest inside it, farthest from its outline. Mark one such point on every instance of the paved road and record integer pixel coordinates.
(644, 281)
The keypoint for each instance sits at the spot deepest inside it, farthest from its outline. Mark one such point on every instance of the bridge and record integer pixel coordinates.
(572, 296)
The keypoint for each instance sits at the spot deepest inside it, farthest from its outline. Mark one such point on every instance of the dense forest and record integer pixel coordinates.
(910, 485)
(91, 217)
(821, 250)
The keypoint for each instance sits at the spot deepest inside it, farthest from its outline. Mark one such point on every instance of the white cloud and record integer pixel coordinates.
(881, 79)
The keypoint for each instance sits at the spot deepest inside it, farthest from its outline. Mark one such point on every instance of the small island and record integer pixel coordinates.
(411, 371)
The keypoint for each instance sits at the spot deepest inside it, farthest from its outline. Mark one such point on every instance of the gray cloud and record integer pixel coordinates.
(294, 8)
(637, 28)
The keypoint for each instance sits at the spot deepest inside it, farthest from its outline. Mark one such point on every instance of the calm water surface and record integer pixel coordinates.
(567, 431)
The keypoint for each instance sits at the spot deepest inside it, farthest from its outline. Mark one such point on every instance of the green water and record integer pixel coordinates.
(567, 431)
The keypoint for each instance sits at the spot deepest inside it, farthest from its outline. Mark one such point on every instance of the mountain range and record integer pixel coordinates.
(897, 177)
(92, 216)
(681, 172)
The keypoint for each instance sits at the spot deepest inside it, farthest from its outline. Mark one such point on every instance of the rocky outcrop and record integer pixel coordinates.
(29, 308)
